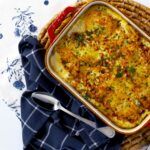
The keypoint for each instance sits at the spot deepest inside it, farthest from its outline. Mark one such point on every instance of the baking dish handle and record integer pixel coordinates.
(57, 22)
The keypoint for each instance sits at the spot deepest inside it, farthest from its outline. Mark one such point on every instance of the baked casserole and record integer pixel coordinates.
(108, 63)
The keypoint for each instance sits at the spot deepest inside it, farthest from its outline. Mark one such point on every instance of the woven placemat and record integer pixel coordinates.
(140, 15)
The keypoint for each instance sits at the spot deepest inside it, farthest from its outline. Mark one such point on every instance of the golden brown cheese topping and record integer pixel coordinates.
(108, 63)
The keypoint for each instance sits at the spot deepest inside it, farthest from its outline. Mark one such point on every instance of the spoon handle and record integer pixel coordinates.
(89, 122)
(107, 131)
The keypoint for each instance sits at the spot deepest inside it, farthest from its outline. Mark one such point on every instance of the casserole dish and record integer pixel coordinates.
(102, 58)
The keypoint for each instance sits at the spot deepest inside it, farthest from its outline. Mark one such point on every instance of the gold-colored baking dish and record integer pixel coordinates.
(102, 58)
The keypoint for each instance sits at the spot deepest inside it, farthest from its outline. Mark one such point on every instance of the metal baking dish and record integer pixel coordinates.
(54, 39)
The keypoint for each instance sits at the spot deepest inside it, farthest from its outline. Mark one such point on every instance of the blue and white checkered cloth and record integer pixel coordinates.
(55, 130)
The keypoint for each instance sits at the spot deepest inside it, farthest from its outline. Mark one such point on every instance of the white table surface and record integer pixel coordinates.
(10, 126)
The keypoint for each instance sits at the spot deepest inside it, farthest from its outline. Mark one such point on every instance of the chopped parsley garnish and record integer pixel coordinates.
(86, 96)
(119, 74)
(131, 70)
(79, 37)
(89, 33)
(99, 30)
(110, 100)
(126, 42)
(116, 37)
(64, 62)
(110, 88)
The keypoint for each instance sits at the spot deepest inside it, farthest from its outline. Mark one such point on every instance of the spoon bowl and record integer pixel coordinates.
(44, 97)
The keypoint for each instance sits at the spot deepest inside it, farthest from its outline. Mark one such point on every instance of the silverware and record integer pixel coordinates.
(44, 97)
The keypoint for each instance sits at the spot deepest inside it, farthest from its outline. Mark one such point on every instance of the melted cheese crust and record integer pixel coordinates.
(107, 61)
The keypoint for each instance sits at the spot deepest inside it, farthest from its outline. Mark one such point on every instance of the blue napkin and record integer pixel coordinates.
(55, 130)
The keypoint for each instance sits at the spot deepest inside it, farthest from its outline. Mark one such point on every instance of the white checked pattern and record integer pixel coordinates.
(49, 129)
(35, 108)
(46, 144)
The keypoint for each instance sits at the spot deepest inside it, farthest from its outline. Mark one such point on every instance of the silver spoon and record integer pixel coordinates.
(44, 97)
